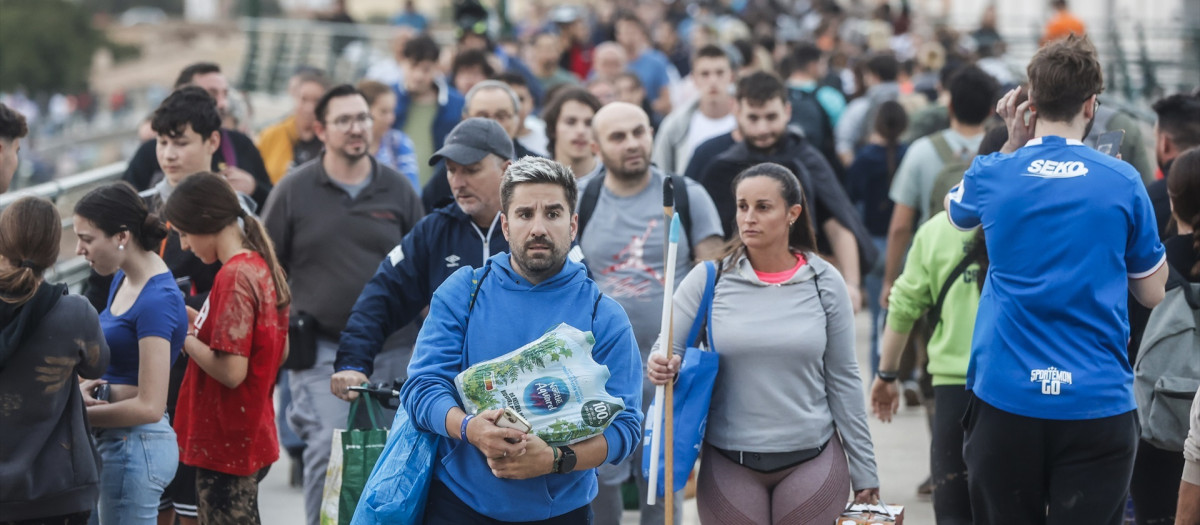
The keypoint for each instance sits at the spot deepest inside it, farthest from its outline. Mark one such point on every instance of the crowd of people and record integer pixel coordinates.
(442, 212)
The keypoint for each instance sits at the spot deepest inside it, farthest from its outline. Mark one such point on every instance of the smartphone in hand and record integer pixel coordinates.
(1110, 142)
(511, 419)
(102, 392)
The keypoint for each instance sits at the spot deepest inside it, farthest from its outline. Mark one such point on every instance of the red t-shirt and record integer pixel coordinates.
(233, 430)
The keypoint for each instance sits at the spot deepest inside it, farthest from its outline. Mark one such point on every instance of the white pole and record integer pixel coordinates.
(663, 344)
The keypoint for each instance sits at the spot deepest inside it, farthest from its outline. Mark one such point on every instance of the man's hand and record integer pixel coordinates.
(490, 439)
(240, 180)
(885, 399)
(537, 460)
(341, 382)
(1019, 132)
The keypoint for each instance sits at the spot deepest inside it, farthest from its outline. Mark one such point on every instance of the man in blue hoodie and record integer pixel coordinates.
(479, 477)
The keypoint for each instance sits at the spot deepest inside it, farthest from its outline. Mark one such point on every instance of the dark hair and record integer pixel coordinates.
(760, 87)
(632, 77)
(1183, 187)
(712, 51)
(421, 49)
(372, 90)
(472, 58)
(803, 55)
(1062, 76)
(802, 237)
(1179, 117)
(972, 95)
(12, 124)
(890, 122)
(629, 16)
(188, 105)
(745, 48)
(30, 231)
(554, 109)
(117, 208)
(514, 80)
(538, 170)
(189, 73)
(205, 204)
(883, 65)
(341, 90)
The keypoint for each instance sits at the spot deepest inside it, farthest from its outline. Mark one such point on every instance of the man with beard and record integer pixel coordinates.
(1052, 426)
(332, 220)
(480, 478)
(1177, 129)
(763, 113)
(623, 243)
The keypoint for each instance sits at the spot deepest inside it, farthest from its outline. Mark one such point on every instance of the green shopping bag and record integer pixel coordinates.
(353, 455)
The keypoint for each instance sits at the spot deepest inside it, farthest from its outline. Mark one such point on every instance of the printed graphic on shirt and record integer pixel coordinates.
(632, 257)
(1053, 169)
(1051, 379)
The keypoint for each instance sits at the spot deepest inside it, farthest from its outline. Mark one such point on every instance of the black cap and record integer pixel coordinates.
(472, 139)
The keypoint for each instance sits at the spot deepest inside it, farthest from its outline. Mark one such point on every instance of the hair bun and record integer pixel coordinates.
(153, 231)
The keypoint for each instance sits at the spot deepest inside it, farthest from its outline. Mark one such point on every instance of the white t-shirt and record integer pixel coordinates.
(701, 129)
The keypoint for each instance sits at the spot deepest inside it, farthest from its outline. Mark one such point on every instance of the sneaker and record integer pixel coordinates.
(912, 394)
(925, 489)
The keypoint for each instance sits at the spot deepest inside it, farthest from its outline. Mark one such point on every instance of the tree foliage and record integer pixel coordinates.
(46, 46)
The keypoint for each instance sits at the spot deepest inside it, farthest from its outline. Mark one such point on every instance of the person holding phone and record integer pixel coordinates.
(787, 433)
(226, 415)
(44, 329)
(144, 324)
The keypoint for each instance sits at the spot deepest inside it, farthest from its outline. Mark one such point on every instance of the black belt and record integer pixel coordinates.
(768, 462)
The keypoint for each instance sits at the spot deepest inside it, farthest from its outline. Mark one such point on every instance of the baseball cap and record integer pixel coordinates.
(472, 139)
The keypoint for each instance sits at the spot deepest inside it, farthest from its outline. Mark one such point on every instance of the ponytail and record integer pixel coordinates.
(30, 231)
(258, 240)
(890, 122)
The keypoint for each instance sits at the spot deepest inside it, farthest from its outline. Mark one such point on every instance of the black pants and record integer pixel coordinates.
(1043, 471)
(1155, 486)
(951, 501)
(78, 518)
(444, 508)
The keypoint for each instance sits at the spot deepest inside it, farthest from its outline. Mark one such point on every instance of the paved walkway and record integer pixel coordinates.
(901, 451)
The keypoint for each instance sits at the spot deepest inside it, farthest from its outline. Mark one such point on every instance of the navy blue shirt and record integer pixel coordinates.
(867, 183)
(158, 311)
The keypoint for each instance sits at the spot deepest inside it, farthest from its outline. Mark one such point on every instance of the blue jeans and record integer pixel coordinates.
(137, 464)
(873, 286)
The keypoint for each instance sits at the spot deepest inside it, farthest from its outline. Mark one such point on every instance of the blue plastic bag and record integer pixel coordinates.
(399, 483)
(693, 396)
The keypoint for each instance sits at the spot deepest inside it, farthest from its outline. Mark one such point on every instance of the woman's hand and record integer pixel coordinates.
(885, 399)
(867, 496)
(661, 370)
(86, 389)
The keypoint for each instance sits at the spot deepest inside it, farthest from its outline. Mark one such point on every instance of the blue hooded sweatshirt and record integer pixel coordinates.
(508, 313)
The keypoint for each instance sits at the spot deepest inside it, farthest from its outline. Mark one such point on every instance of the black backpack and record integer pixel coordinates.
(591, 195)
(809, 115)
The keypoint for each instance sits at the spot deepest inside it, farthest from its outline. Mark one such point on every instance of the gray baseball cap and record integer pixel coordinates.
(472, 139)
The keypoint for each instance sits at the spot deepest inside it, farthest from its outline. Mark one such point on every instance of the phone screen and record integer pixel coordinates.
(1110, 142)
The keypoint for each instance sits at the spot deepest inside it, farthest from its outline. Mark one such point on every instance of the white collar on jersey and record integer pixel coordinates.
(1037, 141)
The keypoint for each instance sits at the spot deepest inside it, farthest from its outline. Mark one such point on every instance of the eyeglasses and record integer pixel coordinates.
(345, 122)
(499, 116)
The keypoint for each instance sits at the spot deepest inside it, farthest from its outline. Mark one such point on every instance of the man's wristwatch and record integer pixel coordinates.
(565, 462)
(887, 377)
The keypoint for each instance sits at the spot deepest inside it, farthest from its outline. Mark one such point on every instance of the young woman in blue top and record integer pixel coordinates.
(144, 324)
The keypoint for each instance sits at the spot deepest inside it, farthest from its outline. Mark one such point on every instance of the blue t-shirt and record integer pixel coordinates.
(1066, 228)
(158, 311)
(651, 67)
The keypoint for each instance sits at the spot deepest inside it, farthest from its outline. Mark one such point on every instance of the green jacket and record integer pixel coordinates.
(936, 249)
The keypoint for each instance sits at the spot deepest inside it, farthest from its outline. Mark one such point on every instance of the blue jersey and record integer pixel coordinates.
(1066, 228)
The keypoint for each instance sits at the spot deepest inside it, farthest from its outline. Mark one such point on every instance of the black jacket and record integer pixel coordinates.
(143, 170)
(826, 196)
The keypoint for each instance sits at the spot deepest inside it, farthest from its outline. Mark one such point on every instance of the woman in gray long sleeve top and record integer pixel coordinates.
(787, 431)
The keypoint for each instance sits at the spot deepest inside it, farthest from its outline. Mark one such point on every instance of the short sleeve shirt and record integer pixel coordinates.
(1066, 228)
(624, 245)
(158, 311)
(912, 185)
(233, 430)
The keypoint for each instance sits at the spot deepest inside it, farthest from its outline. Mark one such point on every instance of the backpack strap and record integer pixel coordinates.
(942, 146)
(972, 256)
(591, 196)
(682, 207)
(479, 274)
(1177, 279)
(587, 204)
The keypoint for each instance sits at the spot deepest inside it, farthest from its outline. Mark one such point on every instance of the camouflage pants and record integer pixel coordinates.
(227, 499)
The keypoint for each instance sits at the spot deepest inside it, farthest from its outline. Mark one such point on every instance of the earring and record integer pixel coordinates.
(121, 247)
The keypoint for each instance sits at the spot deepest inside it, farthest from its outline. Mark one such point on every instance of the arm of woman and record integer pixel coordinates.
(148, 406)
(227, 368)
(661, 369)
(843, 384)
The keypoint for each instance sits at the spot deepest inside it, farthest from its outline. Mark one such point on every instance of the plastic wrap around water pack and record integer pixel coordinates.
(553, 382)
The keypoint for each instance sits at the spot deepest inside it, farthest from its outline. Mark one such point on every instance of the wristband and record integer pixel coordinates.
(887, 377)
(462, 432)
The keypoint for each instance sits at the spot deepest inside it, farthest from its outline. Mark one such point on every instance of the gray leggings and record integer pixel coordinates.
(815, 491)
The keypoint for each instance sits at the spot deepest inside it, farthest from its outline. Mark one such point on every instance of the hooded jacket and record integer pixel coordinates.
(48, 462)
(450, 107)
(508, 313)
(439, 245)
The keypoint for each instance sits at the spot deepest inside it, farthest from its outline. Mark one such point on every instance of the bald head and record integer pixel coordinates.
(609, 60)
(625, 138)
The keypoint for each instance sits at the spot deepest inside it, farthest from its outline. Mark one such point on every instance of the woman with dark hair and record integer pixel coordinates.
(949, 265)
(787, 431)
(867, 182)
(48, 339)
(144, 324)
(226, 418)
